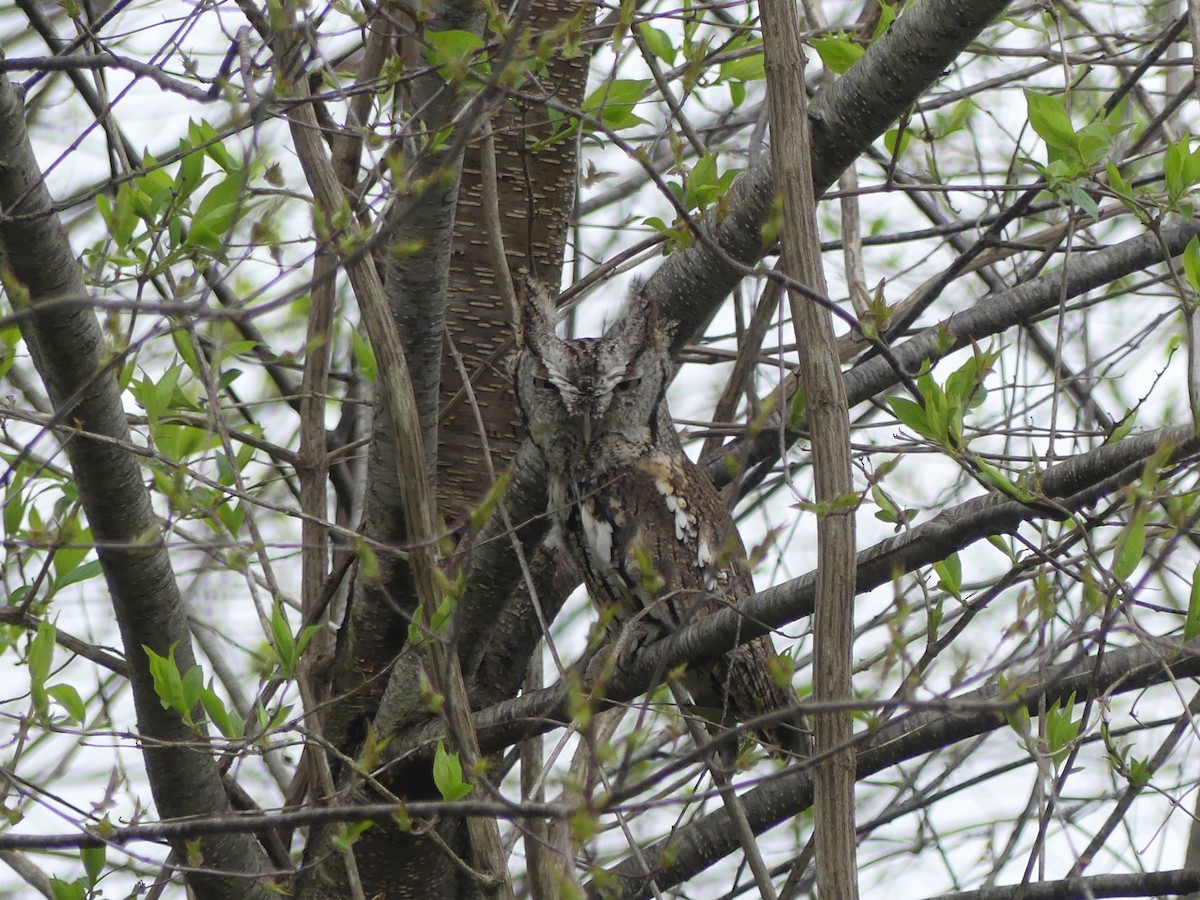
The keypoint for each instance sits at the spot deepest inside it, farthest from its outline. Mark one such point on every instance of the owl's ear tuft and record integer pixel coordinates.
(535, 310)
(641, 317)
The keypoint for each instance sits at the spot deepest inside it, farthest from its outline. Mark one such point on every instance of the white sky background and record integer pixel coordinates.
(155, 121)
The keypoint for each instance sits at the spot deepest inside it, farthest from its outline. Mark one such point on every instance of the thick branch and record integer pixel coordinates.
(73, 360)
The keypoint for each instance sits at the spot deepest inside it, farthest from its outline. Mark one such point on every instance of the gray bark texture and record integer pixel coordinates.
(43, 281)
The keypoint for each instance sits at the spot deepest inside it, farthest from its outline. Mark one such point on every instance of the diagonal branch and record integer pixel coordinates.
(846, 116)
(1072, 485)
(70, 354)
(696, 846)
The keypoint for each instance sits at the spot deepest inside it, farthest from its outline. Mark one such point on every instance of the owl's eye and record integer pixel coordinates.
(543, 383)
(628, 384)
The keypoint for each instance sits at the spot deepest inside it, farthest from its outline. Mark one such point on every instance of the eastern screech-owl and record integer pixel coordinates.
(644, 526)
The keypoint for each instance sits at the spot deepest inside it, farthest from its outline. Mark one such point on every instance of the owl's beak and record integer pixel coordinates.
(581, 427)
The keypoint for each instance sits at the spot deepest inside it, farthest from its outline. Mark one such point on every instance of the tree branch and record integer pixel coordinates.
(75, 364)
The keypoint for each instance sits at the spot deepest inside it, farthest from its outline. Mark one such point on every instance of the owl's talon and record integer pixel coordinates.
(637, 634)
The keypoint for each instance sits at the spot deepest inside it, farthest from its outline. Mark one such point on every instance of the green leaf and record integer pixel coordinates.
(168, 683)
(837, 53)
(178, 441)
(1050, 120)
(190, 173)
(68, 698)
(481, 513)
(888, 511)
(14, 505)
(68, 890)
(451, 52)
(1060, 728)
(41, 657)
(745, 68)
(659, 43)
(911, 414)
(364, 355)
(282, 641)
(1191, 262)
(1131, 546)
(230, 726)
(994, 477)
(305, 636)
(346, 836)
(949, 570)
(75, 544)
(1173, 172)
(93, 859)
(119, 217)
(1082, 200)
(447, 774)
(186, 349)
(887, 15)
(202, 133)
(1191, 625)
(193, 687)
(892, 135)
(215, 214)
(614, 101)
(86, 572)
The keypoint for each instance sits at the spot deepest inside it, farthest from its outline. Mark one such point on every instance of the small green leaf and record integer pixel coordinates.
(1191, 625)
(887, 15)
(93, 859)
(86, 572)
(1131, 546)
(994, 477)
(230, 726)
(68, 890)
(911, 414)
(68, 698)
(447, 774)
(282, 641)
(481, 513)
(1019, 721)
(949, 570)
(451, 52)
(364, 355)
(745, 68)
(837, 53)
(348, 834)
(1050, 120)
(41, 657)
(202, 133)
(614, 101)
(168, 683)
(659, 43)
(1061, 729)
(890, 138)
(215, 214)
(1191, 262)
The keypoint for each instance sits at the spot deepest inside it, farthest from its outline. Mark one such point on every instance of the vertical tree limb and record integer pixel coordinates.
(41, 273)
(828, 417)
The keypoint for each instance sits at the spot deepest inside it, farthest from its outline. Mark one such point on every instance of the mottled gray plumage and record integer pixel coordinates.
(644, 526)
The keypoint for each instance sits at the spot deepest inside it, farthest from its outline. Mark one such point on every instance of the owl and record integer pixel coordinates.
(646, 529)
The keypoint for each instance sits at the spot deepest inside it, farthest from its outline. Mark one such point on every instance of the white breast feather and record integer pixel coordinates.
(682, 526)
(598, 534)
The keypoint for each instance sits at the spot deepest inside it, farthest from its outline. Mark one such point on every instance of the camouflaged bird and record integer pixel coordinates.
(645, 527)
